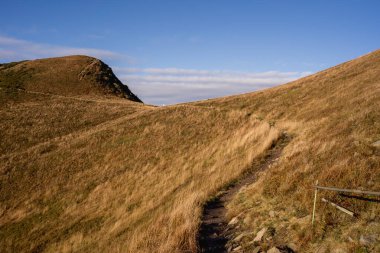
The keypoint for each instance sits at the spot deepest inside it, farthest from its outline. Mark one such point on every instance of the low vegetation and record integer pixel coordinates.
(86, 172)
(334, 119)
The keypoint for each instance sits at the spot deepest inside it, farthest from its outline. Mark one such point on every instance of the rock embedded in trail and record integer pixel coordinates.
(293, 246)
(274, 250)
(239, 237)
(260, 234)
(376, 144)
(233, 221)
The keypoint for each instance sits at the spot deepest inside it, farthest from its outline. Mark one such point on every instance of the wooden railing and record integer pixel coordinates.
(318, 187)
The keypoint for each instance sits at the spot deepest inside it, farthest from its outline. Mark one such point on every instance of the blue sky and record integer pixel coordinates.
(176, 51)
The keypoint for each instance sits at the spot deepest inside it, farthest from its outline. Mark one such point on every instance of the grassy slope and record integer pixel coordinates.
(127, 186)
(334, 117)
(90, 174)
(134, 178)
(66, 76)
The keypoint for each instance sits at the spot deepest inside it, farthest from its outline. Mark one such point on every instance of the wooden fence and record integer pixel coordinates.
(318, 187)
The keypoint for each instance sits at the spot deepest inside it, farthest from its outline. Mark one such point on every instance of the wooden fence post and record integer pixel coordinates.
(315, 202)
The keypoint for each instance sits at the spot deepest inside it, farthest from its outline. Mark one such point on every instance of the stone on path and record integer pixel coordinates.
(274, 250)
(293, 246)
(260, 234)
(376, 144)
(233, 221)
(239, 237)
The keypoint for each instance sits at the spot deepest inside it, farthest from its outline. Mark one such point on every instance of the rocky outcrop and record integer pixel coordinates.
(102, 75)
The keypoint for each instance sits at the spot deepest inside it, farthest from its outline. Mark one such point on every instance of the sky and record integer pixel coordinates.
(177, 51)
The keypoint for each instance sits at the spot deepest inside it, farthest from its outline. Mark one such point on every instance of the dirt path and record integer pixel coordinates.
(214, 231)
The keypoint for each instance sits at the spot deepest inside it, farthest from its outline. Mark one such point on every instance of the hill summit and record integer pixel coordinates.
(68, 76)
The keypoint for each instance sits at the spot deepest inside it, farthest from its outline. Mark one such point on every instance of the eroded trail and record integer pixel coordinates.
(214, 232)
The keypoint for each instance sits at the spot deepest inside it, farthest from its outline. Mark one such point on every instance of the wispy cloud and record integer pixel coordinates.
(157, 85)
(174, 85)
(12, 49)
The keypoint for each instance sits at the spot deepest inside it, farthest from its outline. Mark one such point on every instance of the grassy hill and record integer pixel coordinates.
(83, 170)
(65, 76)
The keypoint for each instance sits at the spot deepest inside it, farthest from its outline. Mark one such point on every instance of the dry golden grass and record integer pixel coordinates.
(334, 117)
(54, 117)
(133, 178)
(79, 76)
(134, 186)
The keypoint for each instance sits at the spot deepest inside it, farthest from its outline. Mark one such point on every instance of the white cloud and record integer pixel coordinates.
(173, 85)
(157, 85)
(12, 49)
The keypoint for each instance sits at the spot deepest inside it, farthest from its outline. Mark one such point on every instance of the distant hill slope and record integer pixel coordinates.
(89, 174)
(66, 76)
